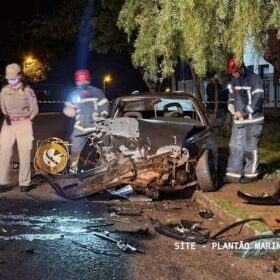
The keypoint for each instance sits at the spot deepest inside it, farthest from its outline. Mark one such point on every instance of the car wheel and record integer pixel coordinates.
(206, 172)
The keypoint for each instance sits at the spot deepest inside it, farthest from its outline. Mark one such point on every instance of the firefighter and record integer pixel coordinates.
(19, 106)
(91, 107)
(246, 100)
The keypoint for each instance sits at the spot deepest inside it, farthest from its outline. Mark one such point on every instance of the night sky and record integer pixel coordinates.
(12, 48)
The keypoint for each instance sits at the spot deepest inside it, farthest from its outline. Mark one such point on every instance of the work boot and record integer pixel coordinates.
(25, 188)
(247, 180)
(228, 179)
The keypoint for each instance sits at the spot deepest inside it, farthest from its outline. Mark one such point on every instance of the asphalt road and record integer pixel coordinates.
(37, 241)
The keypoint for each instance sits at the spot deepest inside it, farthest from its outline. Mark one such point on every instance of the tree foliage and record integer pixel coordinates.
(35, 71)
(62, 27)
(201, 32)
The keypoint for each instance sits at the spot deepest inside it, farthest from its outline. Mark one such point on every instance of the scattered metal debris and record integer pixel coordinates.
(194, 235)
(274, 269)
(125, 247)
(94, 250)
(123, 192)
(205, 214)
(117, 211)
(193, 225)
(185, 234)
(265, 199)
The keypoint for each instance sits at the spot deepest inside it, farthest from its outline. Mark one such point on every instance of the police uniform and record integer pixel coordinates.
(246, 132)
(93, 106)
(19, 105)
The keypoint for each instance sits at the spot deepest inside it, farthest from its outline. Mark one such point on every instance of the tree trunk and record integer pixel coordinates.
(272, 54)
(173, 82)
(216, 99)
(196, 83)
(151, 86)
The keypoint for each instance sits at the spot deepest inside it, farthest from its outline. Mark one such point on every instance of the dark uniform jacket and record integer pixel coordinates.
(92, 107)
(247, 96)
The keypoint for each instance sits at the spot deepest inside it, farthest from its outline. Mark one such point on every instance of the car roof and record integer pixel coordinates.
(174, 94)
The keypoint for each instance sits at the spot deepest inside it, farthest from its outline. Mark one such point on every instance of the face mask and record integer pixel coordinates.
(13, 82)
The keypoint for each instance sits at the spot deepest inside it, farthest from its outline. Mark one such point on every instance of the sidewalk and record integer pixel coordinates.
(229, 207)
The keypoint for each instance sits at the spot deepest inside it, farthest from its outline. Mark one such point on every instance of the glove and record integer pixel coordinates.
(69, 111)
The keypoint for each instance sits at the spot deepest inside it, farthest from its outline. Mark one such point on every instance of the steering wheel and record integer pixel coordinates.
(178, 112)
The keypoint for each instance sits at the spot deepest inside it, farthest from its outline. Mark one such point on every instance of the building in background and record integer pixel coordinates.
(252, 60)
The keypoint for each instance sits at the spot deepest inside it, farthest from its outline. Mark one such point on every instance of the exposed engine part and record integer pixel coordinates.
(123, 151)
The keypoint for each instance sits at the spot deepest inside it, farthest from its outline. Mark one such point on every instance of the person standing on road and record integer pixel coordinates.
(91, 107)
(19, 106)
(246, 100)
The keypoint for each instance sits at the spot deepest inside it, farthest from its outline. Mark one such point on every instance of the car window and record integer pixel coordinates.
(160, 108)
(185, 104)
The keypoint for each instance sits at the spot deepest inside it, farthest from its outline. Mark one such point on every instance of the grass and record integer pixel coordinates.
(261, 227)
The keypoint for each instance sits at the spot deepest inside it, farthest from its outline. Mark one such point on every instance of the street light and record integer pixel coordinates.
(28, 62)
(106, 79)
(167, 89)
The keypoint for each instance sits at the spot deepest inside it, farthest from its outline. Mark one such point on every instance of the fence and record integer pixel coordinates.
(272, 93)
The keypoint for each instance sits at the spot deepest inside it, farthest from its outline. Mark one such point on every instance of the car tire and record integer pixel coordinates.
(206, 172)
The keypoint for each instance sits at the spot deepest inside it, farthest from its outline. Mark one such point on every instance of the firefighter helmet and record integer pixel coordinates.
(82, 75)
(233, 66)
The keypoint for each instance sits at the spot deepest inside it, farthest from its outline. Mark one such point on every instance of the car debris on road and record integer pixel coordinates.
(264, 199)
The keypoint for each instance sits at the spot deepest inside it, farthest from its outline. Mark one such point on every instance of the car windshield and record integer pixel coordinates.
(148, 108)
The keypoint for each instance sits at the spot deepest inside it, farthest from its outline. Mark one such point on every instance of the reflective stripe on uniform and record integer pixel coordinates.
(84, 129)
(94, 100)
(235, 175)
(251, 175)
(255, 159)
(250, 109)
(102, 102)
(104, 113)
(257, 90)
(249, 121)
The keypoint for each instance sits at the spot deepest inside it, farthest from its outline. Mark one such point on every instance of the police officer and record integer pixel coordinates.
(246, 105)
(19, 106)
(91, 105)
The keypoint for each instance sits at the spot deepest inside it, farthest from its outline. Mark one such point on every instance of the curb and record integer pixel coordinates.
(202, 199)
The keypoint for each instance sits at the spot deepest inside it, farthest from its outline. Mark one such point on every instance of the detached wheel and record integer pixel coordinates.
(206, 172)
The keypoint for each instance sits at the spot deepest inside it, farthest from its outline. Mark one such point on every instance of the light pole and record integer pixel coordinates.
(106, 79)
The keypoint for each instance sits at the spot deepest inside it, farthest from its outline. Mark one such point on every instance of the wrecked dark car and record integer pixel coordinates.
(159, 142)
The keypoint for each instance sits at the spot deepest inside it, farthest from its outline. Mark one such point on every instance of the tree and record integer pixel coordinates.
(34, 70)
(201, 33)
(63, 26)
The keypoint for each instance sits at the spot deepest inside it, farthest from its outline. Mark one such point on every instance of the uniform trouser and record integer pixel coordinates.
(244, 142)
(77, 145)
(22, 133)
